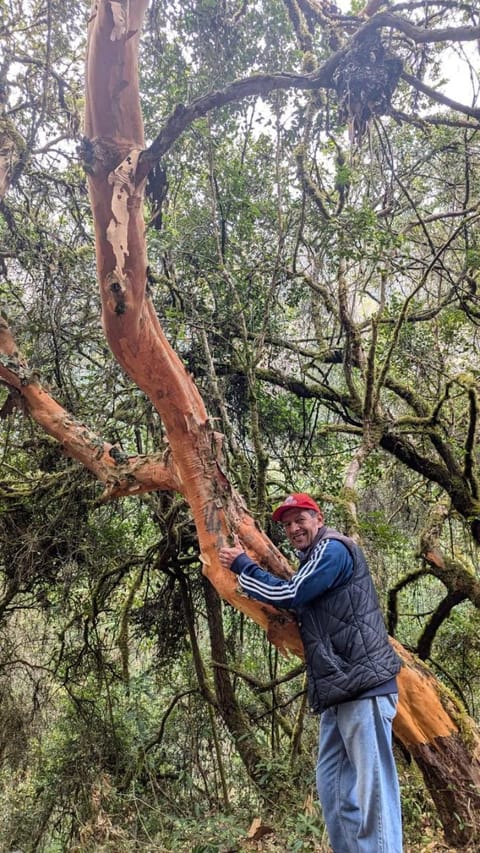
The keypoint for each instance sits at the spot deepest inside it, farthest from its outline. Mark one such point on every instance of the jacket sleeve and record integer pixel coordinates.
(330, 565)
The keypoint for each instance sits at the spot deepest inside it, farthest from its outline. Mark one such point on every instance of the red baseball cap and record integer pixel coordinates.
(299, 500)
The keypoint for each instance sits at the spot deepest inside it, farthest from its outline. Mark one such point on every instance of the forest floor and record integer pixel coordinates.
(430, 847)
(270, 844)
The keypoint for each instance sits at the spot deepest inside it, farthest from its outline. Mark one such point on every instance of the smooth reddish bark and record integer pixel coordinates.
(121, 475)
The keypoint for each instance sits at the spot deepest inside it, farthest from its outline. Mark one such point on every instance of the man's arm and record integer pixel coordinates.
(330, 565)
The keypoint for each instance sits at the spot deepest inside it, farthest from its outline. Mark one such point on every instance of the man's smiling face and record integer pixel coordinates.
(301, 527)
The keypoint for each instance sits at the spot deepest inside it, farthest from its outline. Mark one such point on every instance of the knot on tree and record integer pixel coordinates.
(118, 455)
(365, 81)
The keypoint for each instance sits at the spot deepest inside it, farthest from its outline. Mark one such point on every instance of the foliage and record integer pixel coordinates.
(319, 278)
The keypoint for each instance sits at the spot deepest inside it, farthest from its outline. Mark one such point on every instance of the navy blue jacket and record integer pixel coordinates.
(347, 651)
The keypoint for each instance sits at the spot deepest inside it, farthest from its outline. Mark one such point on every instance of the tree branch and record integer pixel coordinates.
(441, 613)
(422, 35)
(262, 84)
(440, 97)
(122, 474)
(454, 572)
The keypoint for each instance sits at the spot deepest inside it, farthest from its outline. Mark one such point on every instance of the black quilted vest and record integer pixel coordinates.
(347, 650)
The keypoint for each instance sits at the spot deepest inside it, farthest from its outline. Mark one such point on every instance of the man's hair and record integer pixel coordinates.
(311, 512)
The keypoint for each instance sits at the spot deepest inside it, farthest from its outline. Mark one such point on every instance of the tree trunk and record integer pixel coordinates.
(445, 743)
(252, 755)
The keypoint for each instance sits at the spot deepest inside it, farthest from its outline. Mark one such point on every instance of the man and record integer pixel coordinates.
(351, 670)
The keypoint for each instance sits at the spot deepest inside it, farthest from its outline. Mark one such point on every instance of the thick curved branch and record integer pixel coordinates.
(406, 393)
(453, 573)
(258, 84)
(302, 390)
(263, 84)
(438, 120)
(428, 425)
(454, 486)
(121, 474)
(448, 476)
(395, 443)
(411, 296)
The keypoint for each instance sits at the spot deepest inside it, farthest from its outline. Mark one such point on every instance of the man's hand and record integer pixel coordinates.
(228, 555)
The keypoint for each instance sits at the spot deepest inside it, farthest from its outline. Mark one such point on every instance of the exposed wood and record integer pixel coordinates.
(445, 743)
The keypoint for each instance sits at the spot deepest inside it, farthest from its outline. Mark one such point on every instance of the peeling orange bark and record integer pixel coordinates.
(122, 475)
(445, 743)
(131, 325)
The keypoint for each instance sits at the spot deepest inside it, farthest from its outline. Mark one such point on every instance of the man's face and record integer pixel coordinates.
(301, 527)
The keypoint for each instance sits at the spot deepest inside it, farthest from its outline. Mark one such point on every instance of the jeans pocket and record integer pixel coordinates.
(388, 705)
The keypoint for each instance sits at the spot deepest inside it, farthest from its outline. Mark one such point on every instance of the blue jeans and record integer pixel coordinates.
(357, 779)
